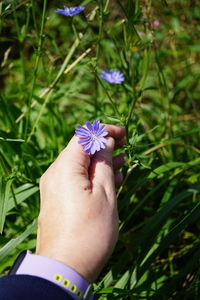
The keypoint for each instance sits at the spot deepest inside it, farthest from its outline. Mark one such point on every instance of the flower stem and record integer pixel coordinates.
(110, 98)
(38, 55)
(130, 115)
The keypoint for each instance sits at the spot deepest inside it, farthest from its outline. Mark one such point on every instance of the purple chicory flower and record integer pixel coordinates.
(70, 11)
(92, 137)
(156, 23)
(112, 76)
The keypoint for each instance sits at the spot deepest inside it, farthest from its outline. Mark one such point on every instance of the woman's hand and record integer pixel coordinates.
(78, 221)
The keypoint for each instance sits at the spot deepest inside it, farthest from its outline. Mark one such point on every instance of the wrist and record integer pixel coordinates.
(73, 261)
(54, 271)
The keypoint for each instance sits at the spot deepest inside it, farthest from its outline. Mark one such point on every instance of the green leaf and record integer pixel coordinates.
(113, 119)
(162, 214)
(5, 186)
(11, 140)
(188, 268)
(169, 238)
(22, 193)
(12, 244)
(122, 282)
(185, 133)
(153, 227)
(195, 48)
(165, 168)
(168, 192)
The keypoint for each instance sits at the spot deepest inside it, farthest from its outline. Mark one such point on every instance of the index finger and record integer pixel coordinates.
(76, 155)
(118, 133)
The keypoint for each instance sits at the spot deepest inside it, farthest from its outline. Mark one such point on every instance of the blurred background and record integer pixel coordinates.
(49, 82)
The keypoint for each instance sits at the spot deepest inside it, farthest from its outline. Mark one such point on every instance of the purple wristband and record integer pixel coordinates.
(56, 272)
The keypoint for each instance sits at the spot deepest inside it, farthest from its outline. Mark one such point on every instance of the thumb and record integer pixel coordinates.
(101, 169)
(74, 159)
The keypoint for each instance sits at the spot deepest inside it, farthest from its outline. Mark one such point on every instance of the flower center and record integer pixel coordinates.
(93, 136)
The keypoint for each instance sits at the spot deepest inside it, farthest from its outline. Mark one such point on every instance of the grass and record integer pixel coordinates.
(49, 82)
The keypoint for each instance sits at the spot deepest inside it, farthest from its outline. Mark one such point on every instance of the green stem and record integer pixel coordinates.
(39, 115)
(100, 31)
(74, 30)
(20, 38)
(131, 168)
(65, 63)
(16, 21)
(110, 98)
(1, 19)
(38, 55)
(49, 90)
(106, 5)
(130, 116)
(34, 17)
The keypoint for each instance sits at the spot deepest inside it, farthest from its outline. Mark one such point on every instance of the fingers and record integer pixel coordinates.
(75, 159)
(74, 153)
(101, 168)
(103, 165)
(118, 133)
(118, 178)
(118, 161)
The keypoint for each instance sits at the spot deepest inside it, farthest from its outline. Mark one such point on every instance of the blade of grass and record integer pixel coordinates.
(21, 194)
(12, 244)
(189, 218)
(5, 188)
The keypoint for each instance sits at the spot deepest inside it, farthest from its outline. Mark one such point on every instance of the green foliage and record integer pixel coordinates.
(4, 197)
(49, 83)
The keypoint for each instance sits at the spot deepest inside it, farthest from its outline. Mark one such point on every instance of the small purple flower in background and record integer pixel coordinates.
(156, 23)
(70, 11)
(92, 136)
(112, 76)
(141, 33)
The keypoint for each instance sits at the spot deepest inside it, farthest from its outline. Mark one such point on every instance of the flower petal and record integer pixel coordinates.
(92, 137)
(84, 140)
(88, 145)
(89, 126)
(112, 76)
(82, 133)
(70, 11)
(82, 128)
(104, 133)
(103, 140)
(96, 125)
(93, 148)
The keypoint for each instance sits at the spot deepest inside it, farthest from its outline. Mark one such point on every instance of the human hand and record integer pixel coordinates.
(78, 220)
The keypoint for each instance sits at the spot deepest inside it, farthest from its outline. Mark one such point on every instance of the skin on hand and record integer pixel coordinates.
(78, 220)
